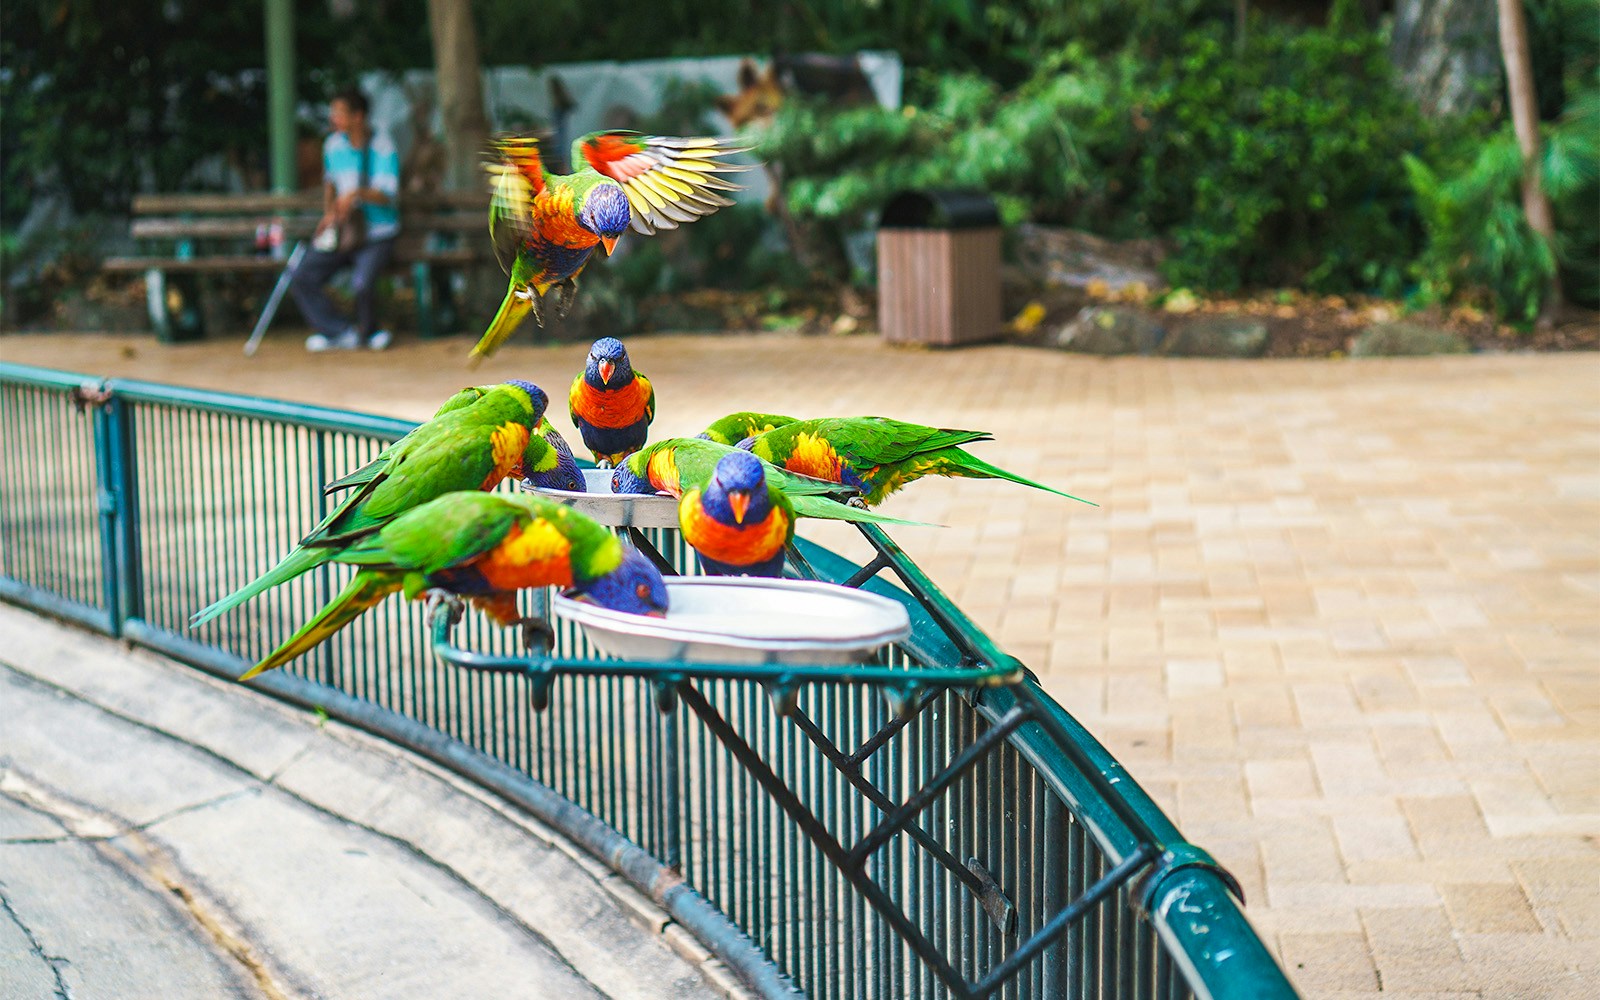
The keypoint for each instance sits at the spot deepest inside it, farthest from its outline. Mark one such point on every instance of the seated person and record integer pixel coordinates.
(361, 175)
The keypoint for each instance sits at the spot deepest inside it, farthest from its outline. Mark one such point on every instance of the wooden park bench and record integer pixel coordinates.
(199, 234)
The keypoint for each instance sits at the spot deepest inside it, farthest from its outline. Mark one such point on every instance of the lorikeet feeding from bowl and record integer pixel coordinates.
(739, 523)
(878, 455)
(477, 438)
(484, 547)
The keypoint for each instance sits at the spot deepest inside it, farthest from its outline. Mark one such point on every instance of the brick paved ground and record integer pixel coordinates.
(1342, 619)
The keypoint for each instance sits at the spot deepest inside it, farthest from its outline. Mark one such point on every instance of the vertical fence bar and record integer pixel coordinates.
(123, 469)
(111, 505)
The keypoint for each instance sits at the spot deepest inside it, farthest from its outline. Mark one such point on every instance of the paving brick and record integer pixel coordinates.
(1488, 907)
(1319, 962)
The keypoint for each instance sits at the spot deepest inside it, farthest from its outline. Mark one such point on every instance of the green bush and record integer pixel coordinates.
(1280, 164)
(1478, 239)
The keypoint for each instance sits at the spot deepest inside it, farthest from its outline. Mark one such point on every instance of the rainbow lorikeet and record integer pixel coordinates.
(678, 465)
(565, 475)
(611, 404)
(739, 523)
(484, 547)
(545, 226)
(735, 427)
(472, 444)
(877, 455)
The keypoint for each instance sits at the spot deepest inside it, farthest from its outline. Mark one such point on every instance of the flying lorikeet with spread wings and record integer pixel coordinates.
(484, 547)
(471, 444)
(611, 404)
(739, 523)
(735, 427)
(877, 455)
(545, 226)
(678, 465)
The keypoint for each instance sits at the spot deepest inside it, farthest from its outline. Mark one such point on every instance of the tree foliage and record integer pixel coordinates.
(1279, 165)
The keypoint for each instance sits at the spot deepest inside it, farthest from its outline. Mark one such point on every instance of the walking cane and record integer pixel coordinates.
(274, 300)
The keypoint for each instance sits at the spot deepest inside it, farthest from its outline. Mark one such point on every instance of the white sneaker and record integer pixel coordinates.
(380, 340)
(349, 340)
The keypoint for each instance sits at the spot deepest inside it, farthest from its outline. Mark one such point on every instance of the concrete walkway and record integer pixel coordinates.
(1341, 618)
(164, 834)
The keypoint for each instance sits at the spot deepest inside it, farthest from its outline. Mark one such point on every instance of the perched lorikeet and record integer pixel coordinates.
(735, 427)
(611, 404)
(566, 475)
(484, 547)
(877, 455)
(472, 444)
(739, 523)
(678, 465)
(546, 226)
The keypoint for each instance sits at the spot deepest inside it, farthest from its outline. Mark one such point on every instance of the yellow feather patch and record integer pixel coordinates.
(509, 441)
(814, 456)
(647, 191)
(662, 472)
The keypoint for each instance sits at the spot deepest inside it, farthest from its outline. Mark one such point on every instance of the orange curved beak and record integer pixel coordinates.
(610, 243)
(606, 368)
(739, 500)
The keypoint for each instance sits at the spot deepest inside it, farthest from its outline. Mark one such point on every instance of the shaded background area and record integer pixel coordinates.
(1344, 148)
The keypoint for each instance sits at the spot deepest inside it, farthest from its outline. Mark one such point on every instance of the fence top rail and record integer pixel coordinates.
(309, 415)
(45, 378)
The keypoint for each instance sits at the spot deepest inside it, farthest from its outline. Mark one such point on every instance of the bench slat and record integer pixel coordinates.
(264, 203)
(294, 227)
(403, 255)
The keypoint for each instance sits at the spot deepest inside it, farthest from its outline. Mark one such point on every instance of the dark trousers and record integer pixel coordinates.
(310, 283)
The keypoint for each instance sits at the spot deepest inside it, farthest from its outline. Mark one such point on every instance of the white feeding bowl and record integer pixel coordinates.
(619, 510)
(723, 619)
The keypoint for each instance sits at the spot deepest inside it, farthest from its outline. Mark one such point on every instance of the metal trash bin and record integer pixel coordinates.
(939, 268)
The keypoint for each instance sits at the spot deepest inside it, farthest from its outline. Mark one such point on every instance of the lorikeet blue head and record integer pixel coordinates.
(536, 396)
(738, 490)
(605, 213)
(625, 480)
(608, 364)
(635, 587)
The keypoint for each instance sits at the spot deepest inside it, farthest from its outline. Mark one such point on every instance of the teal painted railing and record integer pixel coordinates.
(931, 824)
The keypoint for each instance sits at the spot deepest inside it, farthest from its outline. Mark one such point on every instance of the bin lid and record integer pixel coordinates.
(946, 208)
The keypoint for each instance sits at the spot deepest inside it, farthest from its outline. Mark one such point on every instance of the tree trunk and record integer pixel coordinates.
(1525, 119)
(459, 73)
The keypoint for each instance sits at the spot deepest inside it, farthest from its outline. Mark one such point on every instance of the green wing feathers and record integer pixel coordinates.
(824, 509)
(453, 529)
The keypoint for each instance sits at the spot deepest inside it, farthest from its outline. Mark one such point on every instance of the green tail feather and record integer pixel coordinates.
(367, 589)
(824, 509)
(291, 566)
(505, 322)
(957, 462)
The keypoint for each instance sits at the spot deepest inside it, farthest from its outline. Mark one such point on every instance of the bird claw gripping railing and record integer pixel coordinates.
(908, 693)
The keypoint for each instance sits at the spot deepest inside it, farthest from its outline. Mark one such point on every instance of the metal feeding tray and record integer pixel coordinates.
(619, 510)
(721, 619)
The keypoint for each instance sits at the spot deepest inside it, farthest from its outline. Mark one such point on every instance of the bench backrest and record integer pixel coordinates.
(460, 217)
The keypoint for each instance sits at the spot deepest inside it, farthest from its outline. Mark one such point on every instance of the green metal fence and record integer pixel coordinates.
(928, 825)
